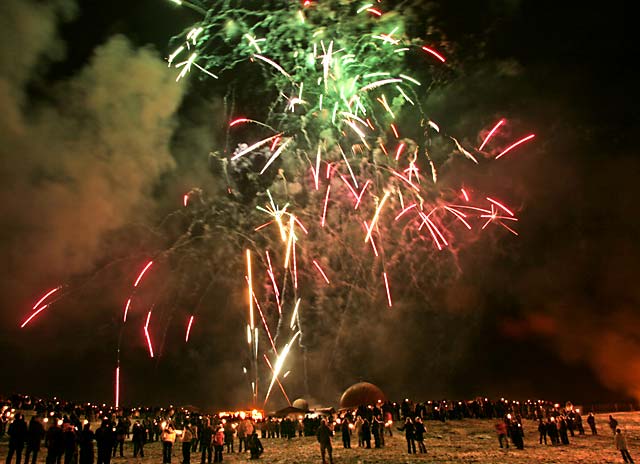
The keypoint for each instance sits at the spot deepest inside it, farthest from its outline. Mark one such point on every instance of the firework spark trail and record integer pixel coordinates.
(186, 338)
(47, 295)
(372, 241)
(294, 315)
(258, 144)
(362, 193)
(274, 64)
(459, 215)
(126, 310)
(386, 284)
(375, 216)
(38, 311)
(117, 388)
(324, 276)
(434, 53)
(250, 287)
(272, 276)
(275, 155)
(279, 363)
(490, 134)
(326, 202)
(501, 206)
(514, 145)
(146, 333)
(284, 393)
(37, 308)
(402, 213)
(264, 322)
(146, 268)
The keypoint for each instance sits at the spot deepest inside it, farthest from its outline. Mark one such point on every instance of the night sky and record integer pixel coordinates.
(98, 143)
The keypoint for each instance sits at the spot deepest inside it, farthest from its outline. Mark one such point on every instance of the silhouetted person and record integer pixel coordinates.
(206, 442)
(85, 441)
(138, 439)
(409, 434)
(562, 429)
(17, 438)
(613, 424)
(323, 436)
(104, 440)
(35, 434)
(621, 444)
(228, 436)
(70, 443)
(591, 420)
(54, 441)
(579, 425)
(517, 434)
(346, 433)
(366, 433)
(254, 445)
(542, 429)
(419, 433)
(552, 431)
(121, 433)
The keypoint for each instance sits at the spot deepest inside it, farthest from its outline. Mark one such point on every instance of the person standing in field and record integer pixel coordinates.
(35, 434)
(621, 445)
(591, 420)
(324, 438)
(17, 437)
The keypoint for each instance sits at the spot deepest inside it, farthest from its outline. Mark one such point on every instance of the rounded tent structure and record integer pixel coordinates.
(361, 394)
(300, 403)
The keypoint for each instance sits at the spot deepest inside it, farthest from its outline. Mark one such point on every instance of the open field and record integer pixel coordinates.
(467, 441)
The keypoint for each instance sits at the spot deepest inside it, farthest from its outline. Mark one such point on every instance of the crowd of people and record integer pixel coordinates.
(65, 429)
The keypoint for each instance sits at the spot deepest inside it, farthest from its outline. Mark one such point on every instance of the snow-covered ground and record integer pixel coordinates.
(467, 441)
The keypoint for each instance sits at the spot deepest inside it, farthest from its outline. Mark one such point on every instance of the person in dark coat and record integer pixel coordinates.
(613, 424)
(54, 441)
(35, 434)
(70, 443)
(591, 420)
(579, 425)
(254, 445)
(323, 435)
(346, 433)
(17, 437)
(138, 438)
(121, 433)
(542, 429)
(206, 436)
(409, 434)
(516, 433)
(105, 439)
(563, 430)
(366, 433)
(85, 441)
(419, 434)
(552, 431)
(376, 430)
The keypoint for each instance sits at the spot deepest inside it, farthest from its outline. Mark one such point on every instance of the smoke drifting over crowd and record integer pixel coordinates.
(94, 161)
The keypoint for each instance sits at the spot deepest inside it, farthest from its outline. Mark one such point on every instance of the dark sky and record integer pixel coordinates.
(93, 150)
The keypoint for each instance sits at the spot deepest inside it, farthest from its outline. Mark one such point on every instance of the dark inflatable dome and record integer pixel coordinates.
(361, 394)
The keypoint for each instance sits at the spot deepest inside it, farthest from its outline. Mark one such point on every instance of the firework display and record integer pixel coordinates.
(341, 193)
